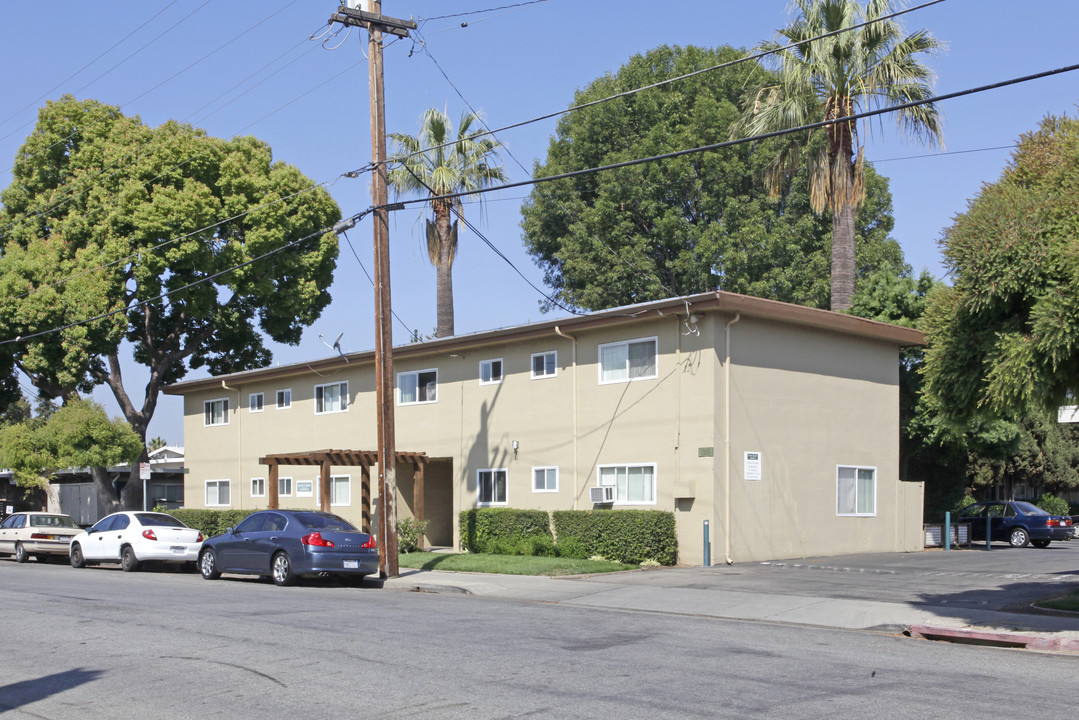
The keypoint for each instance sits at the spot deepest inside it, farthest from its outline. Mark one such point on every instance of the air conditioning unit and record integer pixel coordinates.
(601, 494)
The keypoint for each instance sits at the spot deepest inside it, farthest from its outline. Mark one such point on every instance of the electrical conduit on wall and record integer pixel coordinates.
(576, 475)
(727, 440)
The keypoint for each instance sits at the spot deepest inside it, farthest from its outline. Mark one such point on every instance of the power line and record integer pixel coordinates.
(480, 12)
(344, 234)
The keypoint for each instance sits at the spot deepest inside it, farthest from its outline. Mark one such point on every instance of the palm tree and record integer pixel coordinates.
(435, 164)
(875, 66)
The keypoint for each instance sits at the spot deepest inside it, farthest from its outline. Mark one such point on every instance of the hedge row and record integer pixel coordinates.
(208, 522)
(483, 528)
(628, 536)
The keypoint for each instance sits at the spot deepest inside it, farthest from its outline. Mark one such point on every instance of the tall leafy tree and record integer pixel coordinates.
(688, 224)
(833, 77)
(141, 232)
(436, 162)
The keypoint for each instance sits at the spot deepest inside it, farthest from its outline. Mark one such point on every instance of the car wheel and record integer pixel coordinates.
(282, 569)
(1040, 543)
(208, 565)
(1019, 537)
(77, 560)
(20, 553)
(128, 561)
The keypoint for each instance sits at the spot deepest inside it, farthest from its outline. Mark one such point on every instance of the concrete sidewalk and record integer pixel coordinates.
(700, 592)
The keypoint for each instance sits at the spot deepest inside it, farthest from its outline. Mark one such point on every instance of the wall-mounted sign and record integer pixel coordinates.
(305, 488)
(752, 469)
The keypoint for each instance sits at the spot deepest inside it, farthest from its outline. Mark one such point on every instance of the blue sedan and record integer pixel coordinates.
(1017, 523)
(285, 544)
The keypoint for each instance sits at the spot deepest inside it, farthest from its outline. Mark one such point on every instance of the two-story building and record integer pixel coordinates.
(777, 424)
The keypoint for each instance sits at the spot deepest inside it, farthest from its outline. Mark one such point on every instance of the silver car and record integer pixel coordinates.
(41, 534)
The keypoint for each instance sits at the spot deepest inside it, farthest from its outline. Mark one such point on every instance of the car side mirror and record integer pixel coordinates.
(230, 530)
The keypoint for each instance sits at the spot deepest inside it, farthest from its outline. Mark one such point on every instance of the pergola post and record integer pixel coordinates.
(365, 498)
(324, 485)
(417, 500)
(272, 481)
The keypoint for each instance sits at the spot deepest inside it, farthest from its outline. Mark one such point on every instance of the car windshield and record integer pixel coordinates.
(158, 520)
(1028, 509)
(325, 521)
(52, 521)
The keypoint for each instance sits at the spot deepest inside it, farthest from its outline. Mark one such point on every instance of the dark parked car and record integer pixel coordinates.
(1015, 522)
(285, 544)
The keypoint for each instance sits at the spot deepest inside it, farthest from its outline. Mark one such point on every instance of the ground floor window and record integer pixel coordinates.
(340, 490)
(284, 487)
(258, 487)
(492, 487)
(856, 490)
(634, 484)
(545, 479)
(218, 493)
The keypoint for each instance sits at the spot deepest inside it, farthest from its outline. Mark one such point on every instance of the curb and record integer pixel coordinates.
(994, 639)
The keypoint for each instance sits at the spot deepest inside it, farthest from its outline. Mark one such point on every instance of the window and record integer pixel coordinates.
(254, 402)
(856, 491)
(215, 412)
(331, 398)
(217, 493)
(492, 487)
(634, 484)
(284, 399)
(284, 487)
(340, 490)
(258, 487)
(417, 387)
(544, 479)
(545, 364)
(627, 361)
(490, 372)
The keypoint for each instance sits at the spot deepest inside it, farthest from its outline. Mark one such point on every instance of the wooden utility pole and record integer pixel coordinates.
(376, 24)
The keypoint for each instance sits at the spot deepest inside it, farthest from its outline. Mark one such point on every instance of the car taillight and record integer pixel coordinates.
(199, 538)
(1053, 522)
(40, 536)
(149, 535)
(370, 544)
(316, 539)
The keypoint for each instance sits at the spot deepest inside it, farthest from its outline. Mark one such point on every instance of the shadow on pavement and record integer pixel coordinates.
(25, 692)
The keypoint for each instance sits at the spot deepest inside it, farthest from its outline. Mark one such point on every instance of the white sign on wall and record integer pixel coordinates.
(1068, 414)
(752, 469)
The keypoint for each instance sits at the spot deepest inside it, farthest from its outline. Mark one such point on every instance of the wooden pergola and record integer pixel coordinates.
(365, 459)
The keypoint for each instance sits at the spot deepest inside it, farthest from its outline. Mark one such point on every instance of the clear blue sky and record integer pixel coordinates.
(513, 64)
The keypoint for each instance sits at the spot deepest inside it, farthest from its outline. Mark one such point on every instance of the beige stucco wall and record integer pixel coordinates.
(806, 399)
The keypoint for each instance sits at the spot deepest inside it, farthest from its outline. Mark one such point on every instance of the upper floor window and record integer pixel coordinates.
(544, 479)
(331, 398)
(215, 412)
(284, 399)
(545, 364)
(255, 402)
(625, 361)
(490, 372)
(420, 386)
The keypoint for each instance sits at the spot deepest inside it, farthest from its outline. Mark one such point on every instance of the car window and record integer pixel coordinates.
(10, 522)
(1009, 511)
(973, 511)
(324, 521)
(120, 522)
(996, 510)
(1030, 509)
(158, 520)
(104, 524)
(275, 522)
(253, 523)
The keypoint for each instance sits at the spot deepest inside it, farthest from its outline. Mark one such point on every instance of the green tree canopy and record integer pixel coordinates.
(105, 214)
(1004, 340)
(689, 224)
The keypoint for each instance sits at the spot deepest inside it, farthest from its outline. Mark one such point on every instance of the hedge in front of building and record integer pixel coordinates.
(482, 529)
(628, 536)
(208, 522)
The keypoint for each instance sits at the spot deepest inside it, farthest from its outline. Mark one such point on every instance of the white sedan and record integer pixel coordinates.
(131, 538)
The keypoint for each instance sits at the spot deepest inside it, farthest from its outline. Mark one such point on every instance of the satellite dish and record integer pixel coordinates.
(336, 344)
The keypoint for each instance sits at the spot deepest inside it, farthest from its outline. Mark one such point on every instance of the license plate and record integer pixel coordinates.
(352, 564)
(178, 548)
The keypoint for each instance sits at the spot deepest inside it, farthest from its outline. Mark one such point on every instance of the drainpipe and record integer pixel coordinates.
(727, 441)
(239, 446)
(576, 475)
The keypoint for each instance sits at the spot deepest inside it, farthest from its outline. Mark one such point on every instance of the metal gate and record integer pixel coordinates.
(78, 501)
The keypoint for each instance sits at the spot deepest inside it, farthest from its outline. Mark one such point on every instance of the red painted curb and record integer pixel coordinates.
(996, 639)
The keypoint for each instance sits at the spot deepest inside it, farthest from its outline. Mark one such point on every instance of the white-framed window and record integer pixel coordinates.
(634, 484)
(491, 371)
(305, 488)
(340, 490)
(215, 412)
(627, 361)
(258, 487)
(492, 486)
(284, 399)
(856, 491)
(544, 364)
(419, 386)
(218, 493)
(331, 398)
(284, 487)
(544, 479)
(255, 402)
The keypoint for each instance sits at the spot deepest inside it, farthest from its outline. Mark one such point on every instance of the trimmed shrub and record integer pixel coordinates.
(1053, 505)
(480, 527)
(572, 548)
(208, 522)
(628, 536)
(408, 534)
